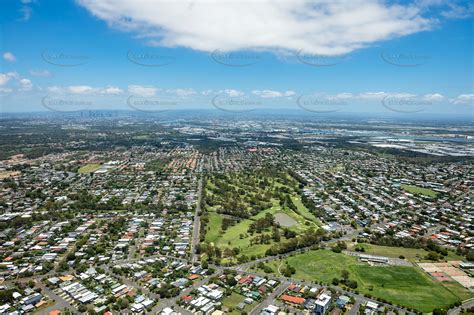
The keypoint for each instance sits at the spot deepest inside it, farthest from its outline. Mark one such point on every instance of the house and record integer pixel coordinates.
(32, 299)
(270, 310)
(292, 299)
(137, 308)
(371, 307)
(322, 304)
(342, 301)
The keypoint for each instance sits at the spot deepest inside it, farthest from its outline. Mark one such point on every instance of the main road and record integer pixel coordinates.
(197, 224)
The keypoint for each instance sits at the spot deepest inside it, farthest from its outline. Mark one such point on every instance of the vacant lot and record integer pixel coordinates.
(407, 286)
(89, 168)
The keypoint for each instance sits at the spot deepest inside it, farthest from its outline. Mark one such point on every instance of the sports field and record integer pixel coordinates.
(411, 254)
(89, 168)
(419, 190)
(406, 286)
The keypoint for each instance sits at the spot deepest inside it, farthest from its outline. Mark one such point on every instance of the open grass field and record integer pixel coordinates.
(411, 254)
(407, 286)
(419, 190)
(89, 168)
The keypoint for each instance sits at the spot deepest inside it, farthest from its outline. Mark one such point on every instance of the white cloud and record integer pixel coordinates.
(55, 89)
(325, 27)
(184, 92)
(81, 89)
(25, 12)
(436, 97)
(233, 93)
(111, 90)
(463, 99)
(372, 95)
(5, 90)
(207, 92)
(25, 84)
(342, 96)
(40, 73)
(273, 94)
(142, 90)
(457, 11)
(4, 78)
(8, 56)
(85, 90)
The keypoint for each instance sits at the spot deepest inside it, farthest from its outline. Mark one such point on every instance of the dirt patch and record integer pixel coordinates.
(284, 220)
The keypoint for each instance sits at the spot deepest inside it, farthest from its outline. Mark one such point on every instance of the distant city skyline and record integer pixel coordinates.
(322, 57)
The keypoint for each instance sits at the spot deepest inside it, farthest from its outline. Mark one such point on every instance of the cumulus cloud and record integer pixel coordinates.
(4, 90)
(8, 77)
(233, 93)
(433, 97)
(273, 94)
(8, 56)
(85, 90)
(325, 27)
(184, 92)
(80, 89)
(111, 90)
(463, 99)
(142, 90)
(4, 78)
(25, 84)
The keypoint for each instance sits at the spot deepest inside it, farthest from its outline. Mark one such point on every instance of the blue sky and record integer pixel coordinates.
(372, 56)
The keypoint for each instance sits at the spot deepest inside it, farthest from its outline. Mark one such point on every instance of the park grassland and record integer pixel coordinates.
(232, 236)
(419, 190)
(299, 219)
(400, 285)
(89, 168)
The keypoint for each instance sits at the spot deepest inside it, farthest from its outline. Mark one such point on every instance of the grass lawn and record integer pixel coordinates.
(214, 227)
(89, 168)
(304, 211)
(419, 190)
(233, 300)
(321, 265)
(407, 286)
(411, 254)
